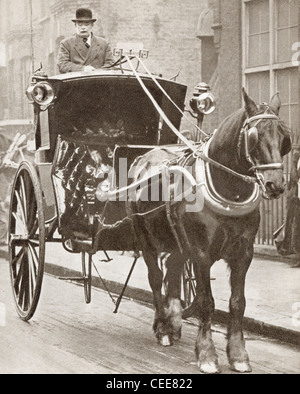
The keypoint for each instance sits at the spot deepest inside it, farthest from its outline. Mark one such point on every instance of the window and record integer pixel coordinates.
(258, 33)
(286, 29)
(271, 28)
(270, 36)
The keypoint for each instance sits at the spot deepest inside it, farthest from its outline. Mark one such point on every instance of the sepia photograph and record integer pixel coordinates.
(150, 189)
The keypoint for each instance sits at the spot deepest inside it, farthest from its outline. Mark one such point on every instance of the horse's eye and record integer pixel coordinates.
(252, 136)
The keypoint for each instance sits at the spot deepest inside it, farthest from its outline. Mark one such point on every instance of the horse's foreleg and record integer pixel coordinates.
(174, 309)
(236, 352)
(161, 325)
(205, 349)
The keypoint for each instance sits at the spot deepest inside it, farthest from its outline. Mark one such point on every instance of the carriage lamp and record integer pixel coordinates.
(41, 93)
(203, 101)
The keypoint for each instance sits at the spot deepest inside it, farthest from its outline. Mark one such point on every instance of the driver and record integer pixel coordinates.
(84, 51)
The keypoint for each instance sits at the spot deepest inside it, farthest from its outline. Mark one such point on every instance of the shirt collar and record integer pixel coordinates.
(89, 40)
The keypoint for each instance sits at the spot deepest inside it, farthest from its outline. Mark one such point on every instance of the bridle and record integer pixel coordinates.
(250, 131)
(255, 169)
(246, 131)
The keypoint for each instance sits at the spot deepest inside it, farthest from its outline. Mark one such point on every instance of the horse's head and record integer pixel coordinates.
(266, 141)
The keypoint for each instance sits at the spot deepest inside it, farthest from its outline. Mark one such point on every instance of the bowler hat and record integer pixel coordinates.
(84, 15)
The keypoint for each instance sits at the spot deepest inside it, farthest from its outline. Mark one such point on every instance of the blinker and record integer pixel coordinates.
(286, 146)
(252, 137)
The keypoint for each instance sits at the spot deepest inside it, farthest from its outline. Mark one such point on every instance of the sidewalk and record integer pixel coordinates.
(272, 289)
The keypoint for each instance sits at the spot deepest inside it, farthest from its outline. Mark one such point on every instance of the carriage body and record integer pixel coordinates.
(99, 121)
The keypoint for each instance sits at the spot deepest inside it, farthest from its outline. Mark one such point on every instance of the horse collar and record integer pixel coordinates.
(212, 198)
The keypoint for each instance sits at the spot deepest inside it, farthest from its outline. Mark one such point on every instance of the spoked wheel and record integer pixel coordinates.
(26, 240)
(86, 259)
(188, 290)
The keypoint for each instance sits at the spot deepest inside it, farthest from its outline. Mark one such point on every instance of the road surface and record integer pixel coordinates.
(68, 337)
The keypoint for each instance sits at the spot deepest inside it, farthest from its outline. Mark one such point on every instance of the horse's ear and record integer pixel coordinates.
(250, 105)
(275, 103)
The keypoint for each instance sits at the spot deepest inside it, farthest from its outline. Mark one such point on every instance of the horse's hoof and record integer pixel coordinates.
(165, 341)
(243, 367)
(209, 368)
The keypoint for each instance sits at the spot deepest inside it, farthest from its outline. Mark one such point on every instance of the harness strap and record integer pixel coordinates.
(265, 167)
(159, 110)
(260, 117)
(196, 152)
(169, 98)
(245, 178)
(173, 226)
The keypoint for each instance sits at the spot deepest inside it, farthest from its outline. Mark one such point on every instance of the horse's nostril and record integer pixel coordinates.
(270, 186)
(274, 190)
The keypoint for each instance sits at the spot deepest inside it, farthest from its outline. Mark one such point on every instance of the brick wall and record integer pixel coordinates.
(230, 58)
(166, 27)
(226, 82)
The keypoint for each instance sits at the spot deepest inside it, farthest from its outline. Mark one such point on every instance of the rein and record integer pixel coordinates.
(196, 151)
(245, 178)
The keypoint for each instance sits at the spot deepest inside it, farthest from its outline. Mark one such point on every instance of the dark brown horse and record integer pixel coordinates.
(250, 145)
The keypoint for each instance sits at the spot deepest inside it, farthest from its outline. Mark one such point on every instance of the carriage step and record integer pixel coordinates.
(74, 278)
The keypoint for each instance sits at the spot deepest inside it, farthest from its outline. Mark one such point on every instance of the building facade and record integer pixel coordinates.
(31, 31)
(257, 43)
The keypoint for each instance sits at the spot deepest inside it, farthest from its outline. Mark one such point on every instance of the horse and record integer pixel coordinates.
(244, 154)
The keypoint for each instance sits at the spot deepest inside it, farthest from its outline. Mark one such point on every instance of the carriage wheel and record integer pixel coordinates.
(26, 240)
(188, 290)
(87, 276)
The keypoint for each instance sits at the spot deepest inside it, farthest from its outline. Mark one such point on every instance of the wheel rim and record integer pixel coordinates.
(87, 275)
(26, 241)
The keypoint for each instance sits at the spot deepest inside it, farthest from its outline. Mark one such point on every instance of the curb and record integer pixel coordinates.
(270, 252)
(220, 317)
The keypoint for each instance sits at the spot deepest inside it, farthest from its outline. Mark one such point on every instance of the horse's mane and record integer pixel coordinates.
(233, 121)
(227, 135)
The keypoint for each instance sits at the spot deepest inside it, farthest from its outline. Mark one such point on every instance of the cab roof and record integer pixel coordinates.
(102, 73)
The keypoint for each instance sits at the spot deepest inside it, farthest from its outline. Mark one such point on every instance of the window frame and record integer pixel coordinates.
(272, 67)
(272, 212)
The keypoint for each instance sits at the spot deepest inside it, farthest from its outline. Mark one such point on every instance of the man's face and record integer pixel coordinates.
(84, 29)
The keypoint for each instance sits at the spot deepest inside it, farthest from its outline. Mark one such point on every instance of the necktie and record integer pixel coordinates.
(85, 42)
